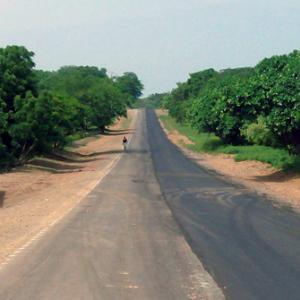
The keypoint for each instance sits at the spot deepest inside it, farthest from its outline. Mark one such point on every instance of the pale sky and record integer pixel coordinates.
(162, 41)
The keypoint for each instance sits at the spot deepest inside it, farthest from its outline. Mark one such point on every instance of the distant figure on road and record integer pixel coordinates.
(125, 142)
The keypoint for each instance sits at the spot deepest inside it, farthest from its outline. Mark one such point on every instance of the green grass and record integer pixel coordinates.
(74, 137)
(209, 143)
(203, 142)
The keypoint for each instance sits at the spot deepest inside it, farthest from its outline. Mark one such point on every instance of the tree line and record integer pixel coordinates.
(152, 101)
(259, 105)
(39, 109)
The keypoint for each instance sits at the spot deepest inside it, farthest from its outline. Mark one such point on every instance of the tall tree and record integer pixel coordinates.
(16, 79)
(130, 85)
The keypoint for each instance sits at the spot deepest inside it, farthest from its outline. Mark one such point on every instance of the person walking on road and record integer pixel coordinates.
(125, 143)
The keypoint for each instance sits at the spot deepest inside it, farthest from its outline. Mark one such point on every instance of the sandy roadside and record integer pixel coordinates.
(282, 188)
(34, 196)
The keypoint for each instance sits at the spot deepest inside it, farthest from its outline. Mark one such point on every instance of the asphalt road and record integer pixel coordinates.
(250, 248)
(121, 242)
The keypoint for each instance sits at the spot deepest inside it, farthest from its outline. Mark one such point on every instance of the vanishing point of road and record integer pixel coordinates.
(158, 226)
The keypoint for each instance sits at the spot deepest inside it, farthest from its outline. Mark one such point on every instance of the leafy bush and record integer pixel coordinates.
(221, 105)
(278, 83)
(258, 133)
(226, 102)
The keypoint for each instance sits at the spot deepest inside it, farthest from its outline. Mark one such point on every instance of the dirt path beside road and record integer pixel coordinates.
(44, 190)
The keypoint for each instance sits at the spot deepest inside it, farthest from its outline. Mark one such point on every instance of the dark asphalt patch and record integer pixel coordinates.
(250, 248)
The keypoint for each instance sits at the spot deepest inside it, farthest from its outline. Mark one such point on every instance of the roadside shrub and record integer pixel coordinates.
(277, 90)
(232, 103)
(258, 134)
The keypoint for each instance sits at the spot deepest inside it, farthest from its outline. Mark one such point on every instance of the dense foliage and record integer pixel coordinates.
(39, 109)
(259, 105)
(129, 85)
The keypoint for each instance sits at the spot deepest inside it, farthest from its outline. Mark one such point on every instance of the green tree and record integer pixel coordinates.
(278, 92)
(16, 79)
(107, 103)
(101, 98)
(236, 99)
(39, 109)
(3, 127)
(180, 98)
(42, 123)
(130, 85)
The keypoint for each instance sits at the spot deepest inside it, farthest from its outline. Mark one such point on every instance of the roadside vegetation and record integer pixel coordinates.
(253, 113)
(210, 143)
(41, 111)
(153, 101)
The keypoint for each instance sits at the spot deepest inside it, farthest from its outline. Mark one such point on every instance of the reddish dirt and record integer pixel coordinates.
(283, 188)
(35, 195)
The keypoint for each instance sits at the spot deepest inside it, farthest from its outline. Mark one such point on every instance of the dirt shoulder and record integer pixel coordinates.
(279, 186)
(44, 190)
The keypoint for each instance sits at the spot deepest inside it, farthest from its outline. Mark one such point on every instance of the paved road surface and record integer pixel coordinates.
(120, 243)
(250, 248)
(123, 243)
